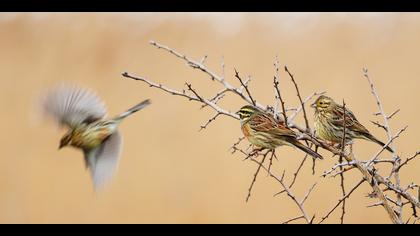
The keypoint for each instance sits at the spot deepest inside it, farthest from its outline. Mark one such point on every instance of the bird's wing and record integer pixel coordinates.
(71, 106)
(350, 120)
(266, 123)
(103, 161)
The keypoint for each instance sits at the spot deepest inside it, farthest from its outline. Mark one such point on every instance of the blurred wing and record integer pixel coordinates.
(103, 161)
(265, 123)
(70, 105)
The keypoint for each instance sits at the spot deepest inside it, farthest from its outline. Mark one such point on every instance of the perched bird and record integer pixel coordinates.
(329, 123)
(263, 131)
(84, 114)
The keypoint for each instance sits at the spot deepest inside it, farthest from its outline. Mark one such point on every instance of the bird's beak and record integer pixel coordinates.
(61, 146)
(313, 105)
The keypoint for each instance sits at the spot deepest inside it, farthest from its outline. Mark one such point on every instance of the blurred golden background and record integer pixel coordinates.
(170, 172)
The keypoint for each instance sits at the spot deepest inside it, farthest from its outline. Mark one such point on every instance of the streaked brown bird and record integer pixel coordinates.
(88, 129)
(263, 131)
(329, 124)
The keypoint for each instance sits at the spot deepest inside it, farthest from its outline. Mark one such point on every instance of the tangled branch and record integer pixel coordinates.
(346, 160)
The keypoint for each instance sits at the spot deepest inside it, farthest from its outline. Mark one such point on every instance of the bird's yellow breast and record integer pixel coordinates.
(324, 130)
(88, 138)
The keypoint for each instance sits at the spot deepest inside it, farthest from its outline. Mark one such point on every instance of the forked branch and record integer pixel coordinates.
(346, 161)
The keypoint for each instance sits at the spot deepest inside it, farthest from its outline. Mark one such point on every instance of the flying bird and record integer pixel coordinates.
(84, 114)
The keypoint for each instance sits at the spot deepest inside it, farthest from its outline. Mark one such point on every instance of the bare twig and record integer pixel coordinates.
(341, 200)
(255, 176)
(337, 166)
(234, 146)
(297, 171)
(222, 64)
(307, 194)
(203, 60)
(277, 90)
(216, 98)
(313, 166)
(344, 170)
(378, 102)
(300, 108)
(379, 125)
(398, 190)
(374, 158)
(246, 87)
(393, 114)
(183, 94)
(407, 160)
(273, 155)
(209, 121)
(395, 157)
(375, 204)
(300, 99)
(197, 65)
(194, 92)
(289, 192)
(295, 175)
(293, 219)
(343, 146)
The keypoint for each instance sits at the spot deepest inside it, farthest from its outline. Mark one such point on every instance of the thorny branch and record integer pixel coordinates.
(255, 175)
(300, 108)
(343, 147)
(347, 161)
(183, 94)
(278, 97)
(341, 200)
(213, 76)
(308, 129)
(395, 157)
(300, 204)
(407, 160)
(246, 87)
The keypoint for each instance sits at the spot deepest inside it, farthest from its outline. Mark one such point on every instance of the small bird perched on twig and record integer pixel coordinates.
(329, 124)
(84, 114)
(263, 131)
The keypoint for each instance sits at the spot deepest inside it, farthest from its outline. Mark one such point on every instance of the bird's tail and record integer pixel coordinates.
(306, 149)
(372, 138)
(134, 109)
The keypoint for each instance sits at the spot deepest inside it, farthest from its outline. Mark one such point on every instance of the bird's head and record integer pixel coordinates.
(65, 140)
(246, 112)
(323, 103)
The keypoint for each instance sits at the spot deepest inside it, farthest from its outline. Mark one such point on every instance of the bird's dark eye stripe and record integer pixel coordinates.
(245, 114)
(246, 111)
